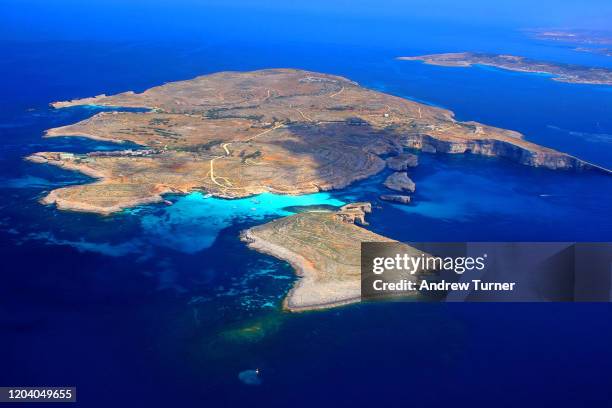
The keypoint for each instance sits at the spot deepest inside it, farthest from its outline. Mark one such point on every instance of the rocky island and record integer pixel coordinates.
(286, 131)
(324, 248)
(576, 74)
(400, 182)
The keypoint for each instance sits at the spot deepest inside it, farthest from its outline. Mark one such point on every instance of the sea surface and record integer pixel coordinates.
(165, 306)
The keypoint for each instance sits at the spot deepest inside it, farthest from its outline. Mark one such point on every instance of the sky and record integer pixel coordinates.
(318, 20)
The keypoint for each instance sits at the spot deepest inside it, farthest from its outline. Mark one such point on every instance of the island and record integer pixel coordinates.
(324, 248)
(573, 36)
(602, 51)
(576, 74)
(591, 41)
(285, 131)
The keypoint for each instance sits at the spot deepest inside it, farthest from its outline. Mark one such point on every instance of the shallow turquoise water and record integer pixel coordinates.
(193, 222)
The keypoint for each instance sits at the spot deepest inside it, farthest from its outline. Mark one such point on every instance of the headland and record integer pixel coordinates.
(324, 249)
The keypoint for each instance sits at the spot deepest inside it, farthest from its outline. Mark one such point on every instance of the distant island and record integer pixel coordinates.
(576, 74)
(286, 131)
(602, 51)
(574, 36)
(591, 41)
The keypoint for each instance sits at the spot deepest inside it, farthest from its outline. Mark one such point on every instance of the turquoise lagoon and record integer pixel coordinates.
(193, 222)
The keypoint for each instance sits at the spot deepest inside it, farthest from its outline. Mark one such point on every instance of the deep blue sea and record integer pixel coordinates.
(164, 306)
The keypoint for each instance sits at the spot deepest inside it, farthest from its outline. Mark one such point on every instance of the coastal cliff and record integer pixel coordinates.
(546, 158)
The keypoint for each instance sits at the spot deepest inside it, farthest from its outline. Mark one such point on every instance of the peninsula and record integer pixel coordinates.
(286, 131)
(324, 248)
(576, 74)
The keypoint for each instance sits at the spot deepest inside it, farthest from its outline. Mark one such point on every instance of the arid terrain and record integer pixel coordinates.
(576, 74)
(287, 131)
(324, 248)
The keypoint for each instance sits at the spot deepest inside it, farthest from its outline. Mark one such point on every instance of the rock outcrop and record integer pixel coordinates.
(354, 213)
(396, 198)
(400, 182)
(402, 162)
